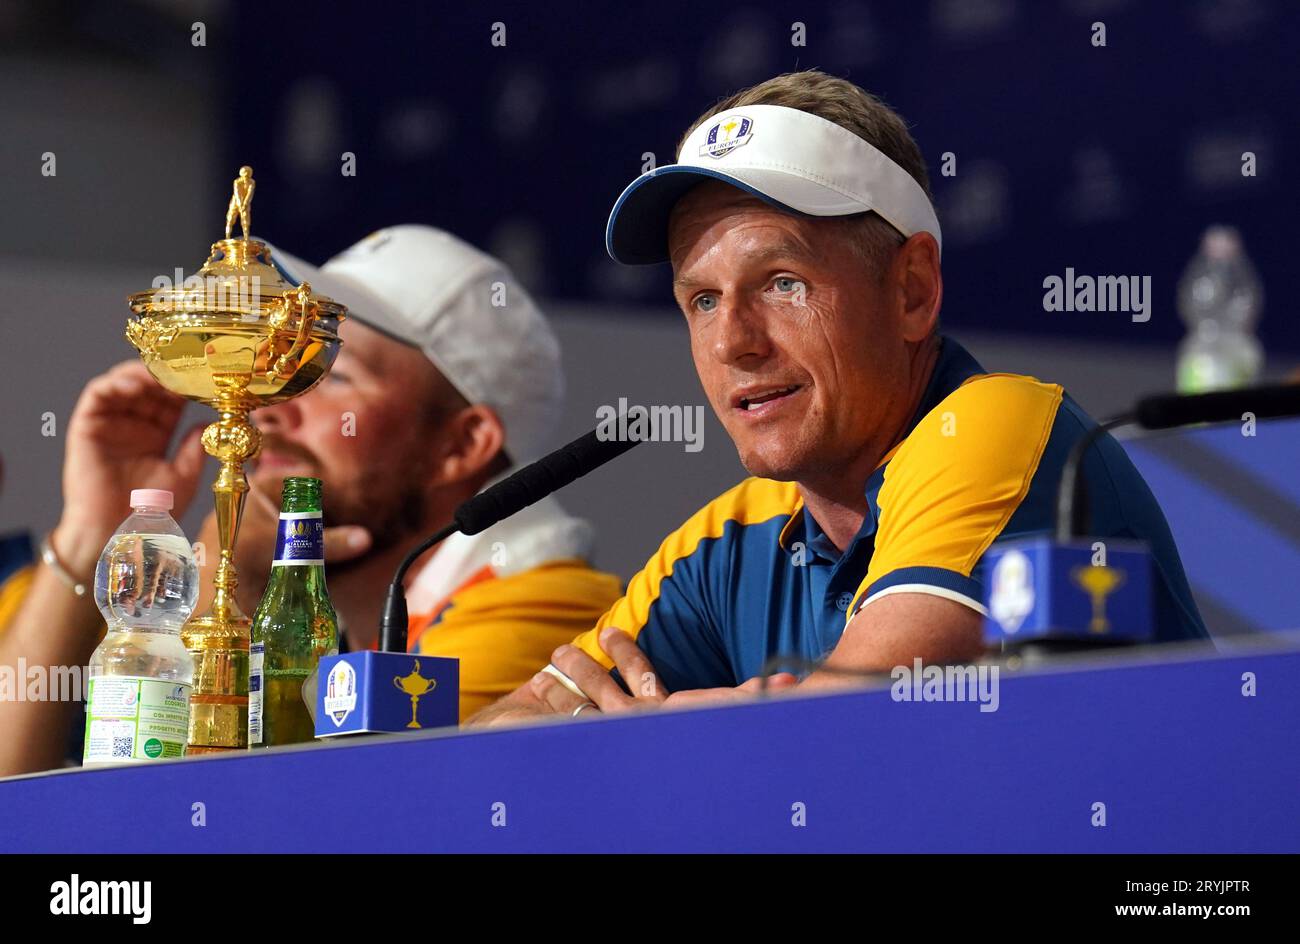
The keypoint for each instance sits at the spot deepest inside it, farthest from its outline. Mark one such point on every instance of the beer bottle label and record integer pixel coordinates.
(256, 657)
(300, 540)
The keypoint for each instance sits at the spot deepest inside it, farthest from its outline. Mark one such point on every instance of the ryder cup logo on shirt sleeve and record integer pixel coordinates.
(727, 135)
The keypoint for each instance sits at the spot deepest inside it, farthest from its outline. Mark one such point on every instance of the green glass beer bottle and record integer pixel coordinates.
(295, 624)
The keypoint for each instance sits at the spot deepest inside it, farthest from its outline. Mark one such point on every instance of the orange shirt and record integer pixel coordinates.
(503, 629)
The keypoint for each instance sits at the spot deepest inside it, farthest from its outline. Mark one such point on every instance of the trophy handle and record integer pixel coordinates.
(146, 336)
(279, 320)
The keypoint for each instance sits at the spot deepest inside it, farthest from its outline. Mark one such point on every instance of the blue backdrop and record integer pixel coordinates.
(1107, 160)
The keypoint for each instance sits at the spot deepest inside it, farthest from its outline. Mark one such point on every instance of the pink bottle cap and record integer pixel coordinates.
(152, 498)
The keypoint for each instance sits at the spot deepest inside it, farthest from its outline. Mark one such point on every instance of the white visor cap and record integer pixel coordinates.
(794, 160)
(464, 310)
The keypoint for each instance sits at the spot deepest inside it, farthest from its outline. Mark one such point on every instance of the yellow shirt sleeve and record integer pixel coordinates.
(12, 592)
(953, 485)
(504, 630)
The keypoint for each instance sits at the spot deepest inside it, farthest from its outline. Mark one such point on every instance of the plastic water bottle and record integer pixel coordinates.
(138, 705)
(1219, 298)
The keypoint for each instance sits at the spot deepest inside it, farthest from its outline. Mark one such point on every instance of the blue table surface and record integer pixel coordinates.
(1182, 760)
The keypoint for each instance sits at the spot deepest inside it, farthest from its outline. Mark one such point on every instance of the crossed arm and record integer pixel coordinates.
(892, 630)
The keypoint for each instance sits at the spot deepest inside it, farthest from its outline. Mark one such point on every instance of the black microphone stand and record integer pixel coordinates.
(393, 623)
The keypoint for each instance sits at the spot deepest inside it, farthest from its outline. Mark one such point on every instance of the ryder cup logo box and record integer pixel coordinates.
(371, 692)
(1040, 589)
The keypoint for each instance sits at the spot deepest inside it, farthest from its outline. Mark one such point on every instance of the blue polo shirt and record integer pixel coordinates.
(752, 575)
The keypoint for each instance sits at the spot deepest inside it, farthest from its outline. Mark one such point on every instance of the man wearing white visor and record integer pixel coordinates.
(885, 460)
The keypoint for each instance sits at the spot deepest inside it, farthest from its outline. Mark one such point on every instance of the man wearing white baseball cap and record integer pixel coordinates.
(806, 260)
(448, 375)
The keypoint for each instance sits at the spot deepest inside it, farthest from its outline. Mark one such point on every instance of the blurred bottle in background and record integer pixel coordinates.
(146, 582)
(1219, 299)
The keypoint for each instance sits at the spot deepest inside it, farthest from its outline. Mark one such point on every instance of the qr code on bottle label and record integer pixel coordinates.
(122, 746)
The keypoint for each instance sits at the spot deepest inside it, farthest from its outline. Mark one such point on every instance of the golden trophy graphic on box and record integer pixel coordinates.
(236, 336)
(1099, 582)
(414, 685)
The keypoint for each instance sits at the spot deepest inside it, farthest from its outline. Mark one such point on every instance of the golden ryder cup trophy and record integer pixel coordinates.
(236, 336)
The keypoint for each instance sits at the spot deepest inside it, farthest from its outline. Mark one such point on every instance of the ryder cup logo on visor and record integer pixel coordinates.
(727, 135)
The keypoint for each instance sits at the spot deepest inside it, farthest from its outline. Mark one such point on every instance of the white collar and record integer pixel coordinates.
(539, 534)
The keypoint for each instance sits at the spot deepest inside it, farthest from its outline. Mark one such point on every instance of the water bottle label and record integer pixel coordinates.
(256, 656)
(300, 540)
(131, 719)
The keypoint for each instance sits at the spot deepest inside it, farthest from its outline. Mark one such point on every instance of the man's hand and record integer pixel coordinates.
(256, 546)
(260, 528)
(117, 441)
(640, 676)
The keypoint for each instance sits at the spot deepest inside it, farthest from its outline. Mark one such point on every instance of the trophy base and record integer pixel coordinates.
(219, 699)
